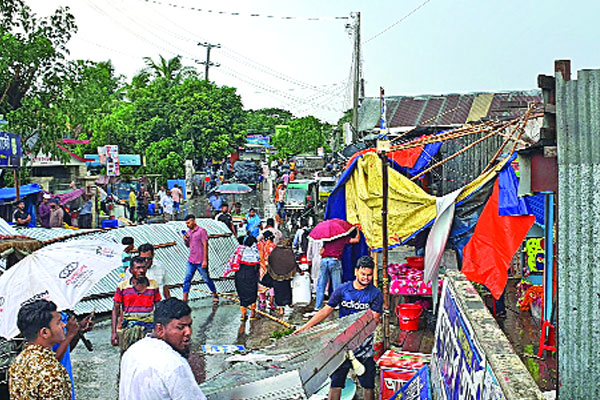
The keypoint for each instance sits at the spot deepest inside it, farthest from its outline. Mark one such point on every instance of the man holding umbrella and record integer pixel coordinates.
(335, 234)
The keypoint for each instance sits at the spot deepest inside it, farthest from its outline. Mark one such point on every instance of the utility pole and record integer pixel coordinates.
(356, 80)
(207, 64)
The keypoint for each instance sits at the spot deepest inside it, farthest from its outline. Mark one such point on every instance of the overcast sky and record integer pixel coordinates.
(445, 46)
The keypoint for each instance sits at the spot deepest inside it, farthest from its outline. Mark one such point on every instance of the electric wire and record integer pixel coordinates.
(238, 14)
(397, 22)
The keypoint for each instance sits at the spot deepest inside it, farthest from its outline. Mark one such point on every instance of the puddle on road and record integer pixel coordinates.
(95, 373)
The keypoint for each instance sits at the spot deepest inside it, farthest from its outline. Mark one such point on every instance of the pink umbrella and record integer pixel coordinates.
(331, 229)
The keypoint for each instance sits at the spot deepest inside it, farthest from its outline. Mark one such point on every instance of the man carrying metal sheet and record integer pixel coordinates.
(353, 297)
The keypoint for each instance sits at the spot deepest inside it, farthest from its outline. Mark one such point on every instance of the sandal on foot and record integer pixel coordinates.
(215, 300)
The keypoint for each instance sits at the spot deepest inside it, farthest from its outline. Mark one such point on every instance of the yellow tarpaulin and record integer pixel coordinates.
(410, 208)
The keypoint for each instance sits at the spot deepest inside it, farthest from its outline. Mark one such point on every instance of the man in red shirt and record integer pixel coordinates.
(137, 297)
(196, 238)
(331, 265)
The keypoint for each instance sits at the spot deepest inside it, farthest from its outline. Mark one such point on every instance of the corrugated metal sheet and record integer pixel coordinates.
(172, 258)
(7, 229)
(578, 139)
(446, 110)
(481, 107)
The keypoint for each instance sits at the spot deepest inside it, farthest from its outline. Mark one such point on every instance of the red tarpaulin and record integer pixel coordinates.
(496, 239)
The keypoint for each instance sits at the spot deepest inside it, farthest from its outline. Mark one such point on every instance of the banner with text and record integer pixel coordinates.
(10, 150)
(459, 369)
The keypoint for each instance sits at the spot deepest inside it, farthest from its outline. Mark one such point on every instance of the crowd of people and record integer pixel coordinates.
(147, 323)
(51, 213)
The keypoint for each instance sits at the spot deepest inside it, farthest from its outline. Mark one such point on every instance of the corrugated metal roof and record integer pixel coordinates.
(7, 229)
(578, 140)
(172, 258)
(446, 110)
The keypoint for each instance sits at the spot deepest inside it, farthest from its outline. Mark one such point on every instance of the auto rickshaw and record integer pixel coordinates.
(300, 198)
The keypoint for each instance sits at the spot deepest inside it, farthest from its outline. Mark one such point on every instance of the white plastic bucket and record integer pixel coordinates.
(301, 295)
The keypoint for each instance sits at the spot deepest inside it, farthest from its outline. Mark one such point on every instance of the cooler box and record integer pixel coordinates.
(110, 223)
(397, 367)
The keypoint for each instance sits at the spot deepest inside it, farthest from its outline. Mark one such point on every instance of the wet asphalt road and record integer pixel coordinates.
(95, 373)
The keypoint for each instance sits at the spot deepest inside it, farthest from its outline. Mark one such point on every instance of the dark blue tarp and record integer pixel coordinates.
(9, 194)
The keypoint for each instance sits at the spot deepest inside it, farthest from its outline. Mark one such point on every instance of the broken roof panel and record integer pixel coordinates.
(445, 110)
(172, 258)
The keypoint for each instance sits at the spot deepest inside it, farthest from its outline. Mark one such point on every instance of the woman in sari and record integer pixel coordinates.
(245, 262)
(265, 247)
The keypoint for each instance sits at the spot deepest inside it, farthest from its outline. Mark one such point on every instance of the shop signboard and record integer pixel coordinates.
(10, 150)
(125, 160)
(459, 369)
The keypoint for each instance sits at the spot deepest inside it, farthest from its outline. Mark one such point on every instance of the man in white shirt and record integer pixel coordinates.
(167, 206)
(156, 367)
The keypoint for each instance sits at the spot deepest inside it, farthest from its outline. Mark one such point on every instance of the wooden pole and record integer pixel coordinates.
(384, 252)
(233, 297)
(17, 188)
(375, 275)
(518, 127)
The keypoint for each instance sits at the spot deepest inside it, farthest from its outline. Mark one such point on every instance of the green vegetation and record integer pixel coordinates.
(277, 334)
(532, 365)
(165, 112)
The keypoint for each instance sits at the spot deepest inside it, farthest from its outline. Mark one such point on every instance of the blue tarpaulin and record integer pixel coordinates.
(10, 194)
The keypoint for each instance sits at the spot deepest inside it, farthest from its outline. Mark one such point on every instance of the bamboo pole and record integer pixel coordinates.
(384, 252)
(375, 275)
(489, 135)
(519, 127)
(233, 297)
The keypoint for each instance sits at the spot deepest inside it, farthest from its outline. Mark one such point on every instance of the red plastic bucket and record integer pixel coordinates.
(408, 316)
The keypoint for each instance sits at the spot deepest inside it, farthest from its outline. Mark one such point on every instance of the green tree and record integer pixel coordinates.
(301, 136)
(84, 107)
(162, 159)
(32, 53)
(263, 121)
(208, 119)
(33, 67)
(172, 70)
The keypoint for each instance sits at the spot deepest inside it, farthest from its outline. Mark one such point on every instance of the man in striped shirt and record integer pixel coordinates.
(136, 297)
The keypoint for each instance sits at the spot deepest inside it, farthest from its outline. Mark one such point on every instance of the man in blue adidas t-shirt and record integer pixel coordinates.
(353, 297)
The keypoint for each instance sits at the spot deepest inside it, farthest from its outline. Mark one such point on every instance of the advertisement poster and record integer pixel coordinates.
(459, 369)
(109, 155)
(10, 150)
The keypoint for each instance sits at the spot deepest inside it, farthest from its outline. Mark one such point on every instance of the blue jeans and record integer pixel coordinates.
(330, 268)
(189, 274)
(281, 209)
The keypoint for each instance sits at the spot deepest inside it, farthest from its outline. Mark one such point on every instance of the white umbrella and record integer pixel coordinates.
(62, 272)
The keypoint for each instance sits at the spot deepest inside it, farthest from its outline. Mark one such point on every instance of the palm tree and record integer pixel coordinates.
(172, 70)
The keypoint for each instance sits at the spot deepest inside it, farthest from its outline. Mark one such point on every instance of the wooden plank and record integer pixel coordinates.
(401, 338)
(413, 342)
(427, 341)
